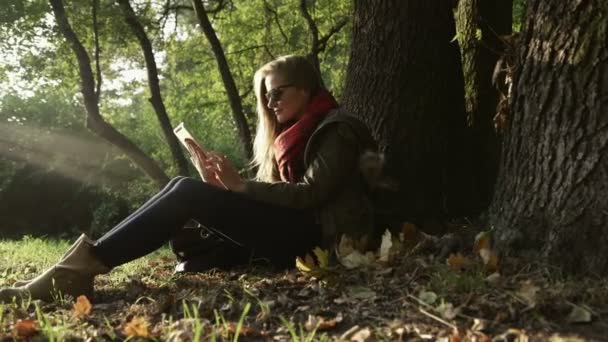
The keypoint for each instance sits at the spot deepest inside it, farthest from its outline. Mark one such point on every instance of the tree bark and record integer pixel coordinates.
(552, 190)
(405, 80)
(481, 26)
(156, 98)
(94, 120)
(229, 84)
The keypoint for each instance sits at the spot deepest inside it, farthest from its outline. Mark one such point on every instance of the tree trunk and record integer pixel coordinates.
(156, 98)
(405, 80)
(552, 190)
(481, 26)
(94, 120)
(231, 89)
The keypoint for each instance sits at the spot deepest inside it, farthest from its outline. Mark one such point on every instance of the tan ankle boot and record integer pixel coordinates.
(72, 275)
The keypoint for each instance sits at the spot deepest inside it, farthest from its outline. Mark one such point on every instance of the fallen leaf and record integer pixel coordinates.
(427, 297)
(356, 259)
(490, 260)
(385, 246)
(138, 327)
(482, 240)
(527, 292)
(512, 335)
(319, 323)
(494, 278)
(305, 265)
(360, 292)
(361, 335)
(447, 310)
(458, 261)
(25, 328)
(346, 246)
(82, 307)
(409, 234)
(322, 257)
(579, 315)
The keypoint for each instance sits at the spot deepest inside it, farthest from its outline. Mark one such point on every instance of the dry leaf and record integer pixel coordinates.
(579, 315)
(138, 327)
(385, 246)
(82, 307)
(409, 234)
(360, 292)
(319, 323)
(25, 328)
(322, 257)
(356, 259)
(306, 265)
(427, 297)
(482, 240)
(458, 261)
(490, 260)
(361, 335)
(528, 291)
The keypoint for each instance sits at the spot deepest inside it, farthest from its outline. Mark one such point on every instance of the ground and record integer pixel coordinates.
(415, 294)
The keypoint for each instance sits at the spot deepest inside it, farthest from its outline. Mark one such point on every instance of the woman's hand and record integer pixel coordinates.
(199, 157)
(224, 171)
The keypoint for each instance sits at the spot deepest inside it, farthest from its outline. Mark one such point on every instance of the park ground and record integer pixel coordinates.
(415, 293)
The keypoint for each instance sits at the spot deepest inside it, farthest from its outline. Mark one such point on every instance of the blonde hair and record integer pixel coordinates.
(296, 70)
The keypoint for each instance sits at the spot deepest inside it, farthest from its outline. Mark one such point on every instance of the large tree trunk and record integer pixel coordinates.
(482, 26)
(405, 80)
(94, 120)
(156, 98)
(231, 90)
(552, 191)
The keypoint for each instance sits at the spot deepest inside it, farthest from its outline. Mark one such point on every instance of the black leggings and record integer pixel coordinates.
(275, 232)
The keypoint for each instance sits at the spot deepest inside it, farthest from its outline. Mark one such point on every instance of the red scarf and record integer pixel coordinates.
(289, 146)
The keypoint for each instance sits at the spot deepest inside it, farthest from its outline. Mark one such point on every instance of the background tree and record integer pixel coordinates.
(553, 184)
(156, 98)
(405, 79)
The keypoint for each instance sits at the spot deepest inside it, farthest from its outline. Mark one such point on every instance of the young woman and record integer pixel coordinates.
(307, 192)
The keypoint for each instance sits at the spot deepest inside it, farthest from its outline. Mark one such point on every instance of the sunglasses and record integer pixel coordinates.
(275, 94)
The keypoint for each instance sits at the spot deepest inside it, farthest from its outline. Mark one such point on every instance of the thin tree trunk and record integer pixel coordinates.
(94, 120)
(156, 98)
(405, 80)
(481, 26)
(229, 84)
(552, 190)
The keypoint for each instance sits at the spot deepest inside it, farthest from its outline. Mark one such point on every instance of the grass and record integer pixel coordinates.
(260, 304)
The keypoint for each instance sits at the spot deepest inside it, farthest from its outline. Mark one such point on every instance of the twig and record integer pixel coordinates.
(438, 319)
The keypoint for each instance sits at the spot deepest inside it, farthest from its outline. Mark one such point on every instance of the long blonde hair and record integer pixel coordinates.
(296, 70)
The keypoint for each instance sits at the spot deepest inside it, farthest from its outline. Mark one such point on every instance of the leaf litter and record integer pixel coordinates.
(406, 289)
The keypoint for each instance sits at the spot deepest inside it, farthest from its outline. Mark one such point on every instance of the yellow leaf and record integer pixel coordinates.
(25, 328)
(482, 240)
(138, 327)
(322, 257)
(82, 307)
(458, 261)
(302, 266)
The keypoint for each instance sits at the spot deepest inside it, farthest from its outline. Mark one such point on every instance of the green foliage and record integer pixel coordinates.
(41, 106)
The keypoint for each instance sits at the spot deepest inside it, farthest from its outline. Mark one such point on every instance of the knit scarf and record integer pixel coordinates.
(289, 146)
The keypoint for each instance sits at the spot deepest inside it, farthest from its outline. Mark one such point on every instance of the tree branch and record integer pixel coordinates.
(276, 19)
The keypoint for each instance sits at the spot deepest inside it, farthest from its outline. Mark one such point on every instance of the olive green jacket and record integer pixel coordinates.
(332, 185)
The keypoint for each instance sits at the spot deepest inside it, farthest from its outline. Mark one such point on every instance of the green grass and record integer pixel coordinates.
(24, 259)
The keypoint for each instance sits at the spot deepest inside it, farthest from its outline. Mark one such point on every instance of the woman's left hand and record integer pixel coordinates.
(224, 171)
